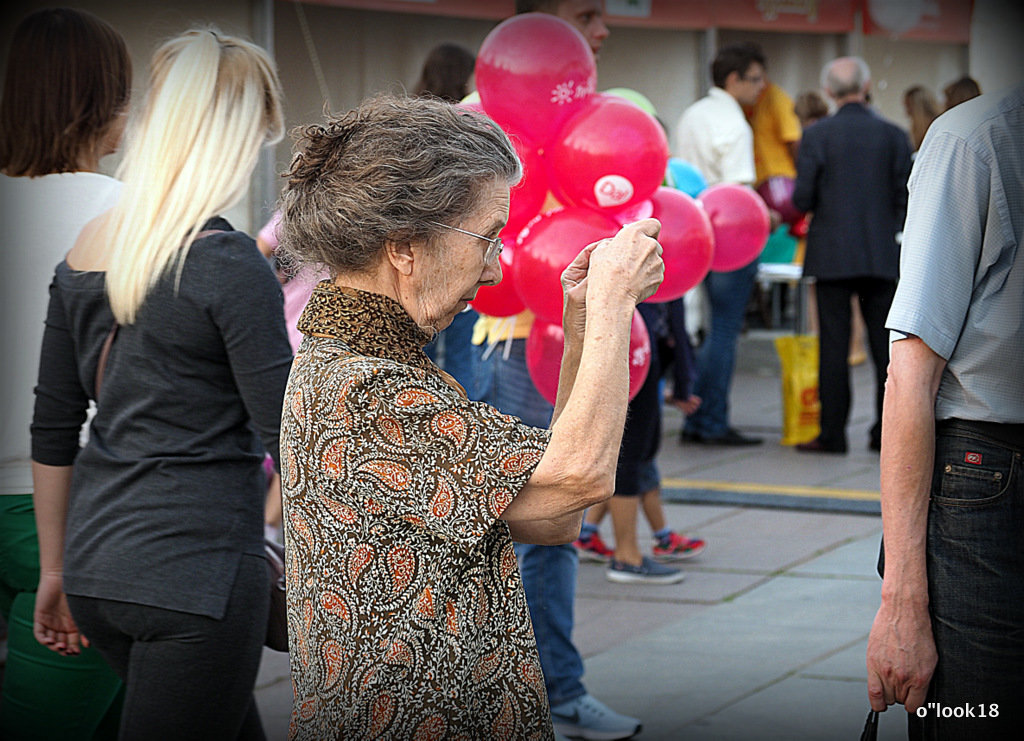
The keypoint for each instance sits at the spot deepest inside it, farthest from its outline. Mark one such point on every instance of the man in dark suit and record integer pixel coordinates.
(852, 172)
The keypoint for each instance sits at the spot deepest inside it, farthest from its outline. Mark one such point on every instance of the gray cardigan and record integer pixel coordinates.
(168, 493)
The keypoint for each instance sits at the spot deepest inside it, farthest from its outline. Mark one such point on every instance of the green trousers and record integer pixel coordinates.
(45, 695)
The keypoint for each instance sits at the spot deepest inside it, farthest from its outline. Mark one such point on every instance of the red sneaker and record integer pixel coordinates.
(592, 548)
(675, 547)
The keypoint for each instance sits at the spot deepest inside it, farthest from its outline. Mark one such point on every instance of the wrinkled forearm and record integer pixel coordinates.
(908, 454)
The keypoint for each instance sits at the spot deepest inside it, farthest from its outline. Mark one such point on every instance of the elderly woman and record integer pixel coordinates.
(406, 612)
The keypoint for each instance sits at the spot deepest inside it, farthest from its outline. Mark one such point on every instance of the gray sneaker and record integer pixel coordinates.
(648, 572)
(588, 718)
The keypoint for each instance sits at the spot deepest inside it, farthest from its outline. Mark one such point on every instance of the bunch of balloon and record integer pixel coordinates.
(592, 162)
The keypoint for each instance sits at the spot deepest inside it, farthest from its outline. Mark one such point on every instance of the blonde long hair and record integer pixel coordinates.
(213, 102)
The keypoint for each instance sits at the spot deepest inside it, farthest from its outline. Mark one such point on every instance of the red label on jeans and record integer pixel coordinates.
(974, 458)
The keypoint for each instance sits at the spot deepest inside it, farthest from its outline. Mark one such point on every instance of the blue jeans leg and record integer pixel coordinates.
(458, 349)
(975, 556)
(728, 295)
(548, 572)
(549, 578)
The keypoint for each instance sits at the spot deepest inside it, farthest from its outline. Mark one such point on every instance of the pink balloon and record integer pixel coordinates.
(629, 214)
(502, 299)
(740, 222)
(687, 239)
(777, 193)
(546, 247)
(546, 341)
(609, 155)
(529, 194)
(534, 71)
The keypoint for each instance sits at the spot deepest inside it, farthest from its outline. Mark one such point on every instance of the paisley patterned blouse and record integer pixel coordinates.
(406, 612)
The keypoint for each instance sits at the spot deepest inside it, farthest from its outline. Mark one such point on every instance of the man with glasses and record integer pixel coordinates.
(713, 135)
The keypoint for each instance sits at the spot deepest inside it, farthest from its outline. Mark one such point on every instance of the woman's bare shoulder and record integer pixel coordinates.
(88, 254)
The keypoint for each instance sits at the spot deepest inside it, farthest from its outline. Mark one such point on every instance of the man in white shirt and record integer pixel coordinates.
(714, 136)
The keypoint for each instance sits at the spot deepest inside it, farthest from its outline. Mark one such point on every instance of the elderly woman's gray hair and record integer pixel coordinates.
(384, 171)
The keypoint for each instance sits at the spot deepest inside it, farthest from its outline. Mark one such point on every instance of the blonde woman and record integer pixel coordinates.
(153, 531)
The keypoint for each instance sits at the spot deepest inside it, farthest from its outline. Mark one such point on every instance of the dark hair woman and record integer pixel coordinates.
(64, 105)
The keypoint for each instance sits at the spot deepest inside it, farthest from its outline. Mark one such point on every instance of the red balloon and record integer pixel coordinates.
(777, 193)
(629, 214)
(740, 222)
(609, 155)
(534, 71)
(502, 299)
(529, 194)
(546, 341)
(687, 239)
(546, 247)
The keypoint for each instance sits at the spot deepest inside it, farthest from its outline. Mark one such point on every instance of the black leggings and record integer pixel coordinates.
(187, 676)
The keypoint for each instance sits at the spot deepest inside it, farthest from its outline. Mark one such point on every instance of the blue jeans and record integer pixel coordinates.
(728, 295)
(457, 353)
(548, 572)
(975, 556)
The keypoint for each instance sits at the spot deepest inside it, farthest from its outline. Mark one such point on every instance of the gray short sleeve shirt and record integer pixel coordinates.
(961, 287)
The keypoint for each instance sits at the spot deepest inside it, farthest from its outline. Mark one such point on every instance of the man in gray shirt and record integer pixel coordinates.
(948, 639)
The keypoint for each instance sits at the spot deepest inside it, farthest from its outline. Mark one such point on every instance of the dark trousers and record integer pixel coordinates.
(975, 590)
(834, 322)
(186, 676)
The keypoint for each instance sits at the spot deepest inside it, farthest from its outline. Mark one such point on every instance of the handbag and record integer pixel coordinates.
(277, 619)
(870, 732)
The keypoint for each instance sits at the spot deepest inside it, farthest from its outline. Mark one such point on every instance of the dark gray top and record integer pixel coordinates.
(169, 491)
(852, 171)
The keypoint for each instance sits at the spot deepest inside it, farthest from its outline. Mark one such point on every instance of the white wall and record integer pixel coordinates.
(144, 26)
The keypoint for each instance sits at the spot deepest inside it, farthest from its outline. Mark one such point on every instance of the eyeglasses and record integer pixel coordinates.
(492, 251)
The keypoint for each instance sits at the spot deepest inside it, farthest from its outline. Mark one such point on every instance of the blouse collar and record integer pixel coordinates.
(368, 323)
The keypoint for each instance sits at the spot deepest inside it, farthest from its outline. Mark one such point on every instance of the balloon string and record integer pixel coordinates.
(508, 337)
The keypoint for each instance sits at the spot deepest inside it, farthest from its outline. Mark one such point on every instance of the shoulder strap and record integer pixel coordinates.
(206, 233)
(101, 366)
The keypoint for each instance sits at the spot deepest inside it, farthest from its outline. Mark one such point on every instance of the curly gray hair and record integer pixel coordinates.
(383, 172)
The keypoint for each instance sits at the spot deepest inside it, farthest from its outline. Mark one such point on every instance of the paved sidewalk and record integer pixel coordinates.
(765, 638)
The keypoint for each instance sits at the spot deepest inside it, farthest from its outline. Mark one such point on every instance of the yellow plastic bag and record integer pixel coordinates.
(801, 411)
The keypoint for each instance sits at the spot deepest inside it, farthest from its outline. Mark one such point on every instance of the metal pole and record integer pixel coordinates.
(263, 189)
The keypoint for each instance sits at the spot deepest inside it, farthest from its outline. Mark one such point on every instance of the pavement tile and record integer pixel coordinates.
(603, 623)
(856, 558)
(794, 709)
(699, 586)
(848, 664)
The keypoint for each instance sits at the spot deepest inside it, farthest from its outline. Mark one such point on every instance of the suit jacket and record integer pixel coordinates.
(852, 171)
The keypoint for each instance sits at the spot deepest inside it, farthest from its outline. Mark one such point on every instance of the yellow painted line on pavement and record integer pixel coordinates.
(821, 492)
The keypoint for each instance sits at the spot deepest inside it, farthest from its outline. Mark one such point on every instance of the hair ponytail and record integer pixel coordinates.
(213, 102)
